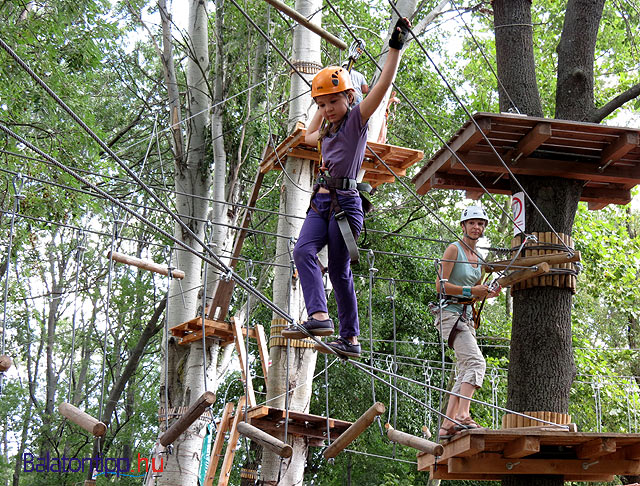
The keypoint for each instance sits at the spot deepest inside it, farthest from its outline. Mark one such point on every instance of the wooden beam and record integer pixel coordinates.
(441, 472)
(618, 149)
(82, 419)
(242, 357)
(224, 290)
(302, 20)
(191, 415)
(223, 480)
(469, 137)
(488, 463)
(522, 447)
(539, 134)
(596, 448)
(585, 171)
(524, 274)
(144, 264)
(265, 440)
(222, 428)
(553, 259)
(418, 443)
(349, 435)
(632, 451)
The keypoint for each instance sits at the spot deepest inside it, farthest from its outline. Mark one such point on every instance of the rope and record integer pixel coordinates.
(80, 242)
(18, 183)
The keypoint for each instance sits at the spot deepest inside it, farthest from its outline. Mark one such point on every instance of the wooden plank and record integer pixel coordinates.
(489, 463)
(442, 473)
(316, 432)
(258, 412)
(522, 447)
(224, 290)
(466, 445)
(530, 142)
(465, 140)
(550, 167)
(222, 428)
(223, 480)
(242, 357)
(632, 451)
(595, 448)
(618, 149)
(263, 350)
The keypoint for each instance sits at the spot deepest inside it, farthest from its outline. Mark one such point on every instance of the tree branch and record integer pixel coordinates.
(601, 113)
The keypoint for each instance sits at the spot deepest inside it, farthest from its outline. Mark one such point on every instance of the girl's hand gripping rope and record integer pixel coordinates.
(399, 34)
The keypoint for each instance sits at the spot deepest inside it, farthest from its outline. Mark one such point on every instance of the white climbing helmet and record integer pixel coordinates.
(474, 212)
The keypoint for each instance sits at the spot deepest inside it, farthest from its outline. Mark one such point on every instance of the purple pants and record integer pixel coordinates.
(320, 228)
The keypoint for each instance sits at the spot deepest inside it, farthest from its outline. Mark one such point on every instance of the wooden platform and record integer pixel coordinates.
(578, 456)
(606, 158)
(314, 427)
(398, 158)
(192, 331)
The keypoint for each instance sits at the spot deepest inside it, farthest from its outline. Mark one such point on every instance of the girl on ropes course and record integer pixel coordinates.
(342, 140)
(460, 282)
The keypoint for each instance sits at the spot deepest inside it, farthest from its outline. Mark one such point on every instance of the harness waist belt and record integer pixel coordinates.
(343, 183)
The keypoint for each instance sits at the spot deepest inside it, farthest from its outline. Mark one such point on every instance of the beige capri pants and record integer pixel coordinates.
(470, 362)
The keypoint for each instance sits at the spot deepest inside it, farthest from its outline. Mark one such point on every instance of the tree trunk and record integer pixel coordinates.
(187, 378)
(541, 367)
(286, 294)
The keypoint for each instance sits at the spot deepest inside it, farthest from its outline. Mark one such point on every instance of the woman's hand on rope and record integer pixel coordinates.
(483, 291)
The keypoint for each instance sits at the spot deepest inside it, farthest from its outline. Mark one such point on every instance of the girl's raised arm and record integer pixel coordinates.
(370, 104)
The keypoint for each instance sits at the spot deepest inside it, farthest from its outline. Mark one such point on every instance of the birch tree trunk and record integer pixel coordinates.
(286, 293)
(186, 378)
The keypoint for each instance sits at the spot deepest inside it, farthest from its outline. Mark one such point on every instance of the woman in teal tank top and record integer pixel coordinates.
(461, 278)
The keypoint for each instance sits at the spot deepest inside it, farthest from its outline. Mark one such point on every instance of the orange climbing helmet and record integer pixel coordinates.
(332, 79)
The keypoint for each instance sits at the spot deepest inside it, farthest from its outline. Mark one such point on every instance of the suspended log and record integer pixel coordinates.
(525, 274)
(265, 440)
(352, 433)
(5, 363)
(83, 419)
(528, 261)
(409, 440)
(144, 264)
(191, 415)
(302, 20)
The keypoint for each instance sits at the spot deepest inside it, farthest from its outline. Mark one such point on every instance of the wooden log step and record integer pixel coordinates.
(265, 440)
(355, 430)
(418, 443)
(144, 264)
(82, 419)
(189, 417)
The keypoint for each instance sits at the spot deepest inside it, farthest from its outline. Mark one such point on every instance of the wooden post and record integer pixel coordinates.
(409, 440)
(5, 363)
(191, 415)
(83, 419)
(263, 350)
(217, 445)
(302, 20)
(349, 435)
(223, 480)
(144, 264)
(89, 482)
(242, 357)
(265, 440)
(524, 274)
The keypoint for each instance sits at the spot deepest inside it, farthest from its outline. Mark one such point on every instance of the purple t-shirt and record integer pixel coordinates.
(343, 151)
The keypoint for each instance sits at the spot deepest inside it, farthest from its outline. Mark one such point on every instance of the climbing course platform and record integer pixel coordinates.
(314, 427)
(606, 158)
(485, 454)
(398, 158)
